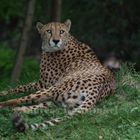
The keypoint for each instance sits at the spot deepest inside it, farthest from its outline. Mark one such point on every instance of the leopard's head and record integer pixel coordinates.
(54, 35)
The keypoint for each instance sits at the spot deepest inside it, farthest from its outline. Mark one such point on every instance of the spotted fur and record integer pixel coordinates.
(70, 73)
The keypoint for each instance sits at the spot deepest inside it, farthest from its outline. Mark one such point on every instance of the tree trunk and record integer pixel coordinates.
(56, 10)
(24, 41)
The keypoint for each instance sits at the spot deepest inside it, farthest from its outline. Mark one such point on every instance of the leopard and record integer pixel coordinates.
(71, 75)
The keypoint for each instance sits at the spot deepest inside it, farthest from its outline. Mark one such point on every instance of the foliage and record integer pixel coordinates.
(6, 60)
(30, 67)
(108, 26)
(11, 9)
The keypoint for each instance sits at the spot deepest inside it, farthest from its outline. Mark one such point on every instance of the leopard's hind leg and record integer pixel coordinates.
(98, 92)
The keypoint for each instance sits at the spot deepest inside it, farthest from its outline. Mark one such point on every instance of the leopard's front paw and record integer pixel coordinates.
(21, 109)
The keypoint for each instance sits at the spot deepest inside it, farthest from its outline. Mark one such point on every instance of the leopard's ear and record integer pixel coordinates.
(68, 23)
(39, 26)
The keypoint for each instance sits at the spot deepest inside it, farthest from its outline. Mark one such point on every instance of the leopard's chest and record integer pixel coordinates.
(50, 71)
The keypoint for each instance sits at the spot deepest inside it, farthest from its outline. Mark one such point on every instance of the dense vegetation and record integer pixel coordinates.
(108, 26)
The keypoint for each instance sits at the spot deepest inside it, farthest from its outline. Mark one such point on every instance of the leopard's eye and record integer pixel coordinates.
(49, 31)
(62, 31)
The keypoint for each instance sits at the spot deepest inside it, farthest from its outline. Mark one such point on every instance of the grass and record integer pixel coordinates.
(115, 118)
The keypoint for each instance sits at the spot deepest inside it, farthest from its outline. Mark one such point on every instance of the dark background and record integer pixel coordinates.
(109, 27)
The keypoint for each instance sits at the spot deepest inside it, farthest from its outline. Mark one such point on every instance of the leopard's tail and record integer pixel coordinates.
(44, 124)
(21, 126)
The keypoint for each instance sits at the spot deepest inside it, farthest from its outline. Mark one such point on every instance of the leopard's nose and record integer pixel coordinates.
(56, 41)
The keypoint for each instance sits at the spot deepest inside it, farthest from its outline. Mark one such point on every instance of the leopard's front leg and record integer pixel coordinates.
(24, 88)
(38, 96)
